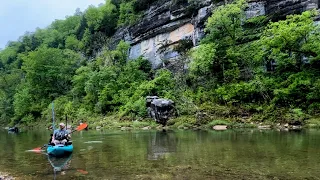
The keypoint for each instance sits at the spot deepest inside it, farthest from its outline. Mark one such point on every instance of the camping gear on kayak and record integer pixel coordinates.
(59, 150)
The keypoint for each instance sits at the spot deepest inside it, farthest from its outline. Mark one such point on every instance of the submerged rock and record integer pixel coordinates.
(5, 176)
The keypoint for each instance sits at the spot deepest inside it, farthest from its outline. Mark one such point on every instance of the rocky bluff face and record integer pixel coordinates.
(164, 24)
(286, 7)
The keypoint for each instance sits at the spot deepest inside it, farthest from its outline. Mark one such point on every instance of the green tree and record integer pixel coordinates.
(222, 59)
(23, 102)
(49, 71)
(127, 16)
(287, 42)
(73, 43)
(225, 24)
(293, 45)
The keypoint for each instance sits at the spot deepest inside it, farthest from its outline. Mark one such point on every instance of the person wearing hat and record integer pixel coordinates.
(61, 135)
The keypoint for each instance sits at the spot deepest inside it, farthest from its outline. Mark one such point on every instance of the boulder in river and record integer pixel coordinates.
(160, 109)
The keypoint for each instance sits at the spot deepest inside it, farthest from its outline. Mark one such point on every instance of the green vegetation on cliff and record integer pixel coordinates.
(269, 75)
(243, 70)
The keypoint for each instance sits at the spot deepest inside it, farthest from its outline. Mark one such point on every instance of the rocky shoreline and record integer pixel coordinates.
(5, 176)
(218, 127)
(186, 123)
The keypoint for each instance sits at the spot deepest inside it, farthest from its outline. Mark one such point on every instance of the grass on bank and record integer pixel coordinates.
(313, 123)
(208, 121)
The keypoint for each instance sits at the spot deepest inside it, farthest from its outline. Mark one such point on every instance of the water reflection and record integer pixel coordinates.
(162, 144)
(60, 165)
(232, 154)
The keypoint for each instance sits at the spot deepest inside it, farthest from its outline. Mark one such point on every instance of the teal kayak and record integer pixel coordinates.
(60, 150)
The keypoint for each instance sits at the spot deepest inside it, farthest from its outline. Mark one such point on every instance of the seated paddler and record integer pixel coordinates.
(61, 135)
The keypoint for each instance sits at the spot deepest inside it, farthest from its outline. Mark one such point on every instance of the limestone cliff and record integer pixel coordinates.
(165, 24)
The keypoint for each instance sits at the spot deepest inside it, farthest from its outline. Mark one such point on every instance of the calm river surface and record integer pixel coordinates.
(241, 154)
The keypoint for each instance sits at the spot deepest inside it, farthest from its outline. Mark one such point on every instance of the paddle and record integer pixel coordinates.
(79, 128)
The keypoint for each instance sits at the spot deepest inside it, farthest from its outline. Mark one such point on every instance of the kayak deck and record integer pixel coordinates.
(59, 150)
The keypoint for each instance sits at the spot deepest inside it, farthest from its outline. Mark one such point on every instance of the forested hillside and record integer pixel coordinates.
(243, 70)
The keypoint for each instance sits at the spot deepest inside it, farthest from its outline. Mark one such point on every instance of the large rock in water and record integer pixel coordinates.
(159, 109)
(165, 24)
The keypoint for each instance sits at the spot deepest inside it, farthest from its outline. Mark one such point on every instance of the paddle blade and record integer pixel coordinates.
(82, 171)
(37, 149)
(82, 127)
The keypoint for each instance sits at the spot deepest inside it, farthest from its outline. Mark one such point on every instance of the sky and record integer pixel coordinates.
(20, 16)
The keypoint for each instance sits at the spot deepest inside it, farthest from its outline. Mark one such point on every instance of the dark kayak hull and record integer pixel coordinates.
(60, 150)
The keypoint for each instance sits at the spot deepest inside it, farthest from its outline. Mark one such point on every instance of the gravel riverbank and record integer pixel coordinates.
(5, 176)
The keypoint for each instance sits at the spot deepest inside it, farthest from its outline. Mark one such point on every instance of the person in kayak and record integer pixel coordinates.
(61, 136)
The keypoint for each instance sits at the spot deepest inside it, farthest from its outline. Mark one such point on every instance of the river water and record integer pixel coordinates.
(231, 154)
